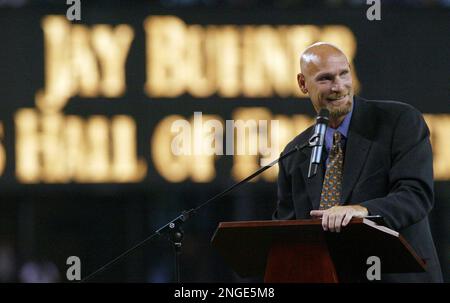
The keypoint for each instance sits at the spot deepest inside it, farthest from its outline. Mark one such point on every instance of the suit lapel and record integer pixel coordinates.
(356, 151)
(357, 146)
(313, 185)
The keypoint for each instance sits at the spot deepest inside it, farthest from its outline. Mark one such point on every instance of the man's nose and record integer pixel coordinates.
(337, 86)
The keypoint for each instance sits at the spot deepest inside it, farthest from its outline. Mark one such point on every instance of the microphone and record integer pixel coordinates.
(317, 140)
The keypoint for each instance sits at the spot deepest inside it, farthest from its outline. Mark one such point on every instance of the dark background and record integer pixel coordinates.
(402, 57)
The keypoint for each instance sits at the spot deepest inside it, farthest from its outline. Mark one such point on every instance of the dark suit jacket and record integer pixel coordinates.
(388, 169)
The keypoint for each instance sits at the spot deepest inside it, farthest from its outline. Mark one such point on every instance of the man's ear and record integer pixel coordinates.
(301, 83)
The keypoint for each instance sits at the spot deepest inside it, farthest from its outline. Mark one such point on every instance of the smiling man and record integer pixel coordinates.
(378, 161)
(325, 76)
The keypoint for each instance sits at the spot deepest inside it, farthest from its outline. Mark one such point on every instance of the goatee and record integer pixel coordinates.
(341, 111)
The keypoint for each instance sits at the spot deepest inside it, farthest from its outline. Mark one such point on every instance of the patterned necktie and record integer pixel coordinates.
(332, 183)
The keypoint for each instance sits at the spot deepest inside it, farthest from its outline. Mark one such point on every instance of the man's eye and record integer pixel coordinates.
(344, 73)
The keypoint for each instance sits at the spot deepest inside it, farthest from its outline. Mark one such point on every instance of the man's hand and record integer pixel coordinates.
(338, 216)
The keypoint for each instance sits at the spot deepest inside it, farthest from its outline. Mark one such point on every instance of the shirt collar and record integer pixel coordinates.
(342, 128)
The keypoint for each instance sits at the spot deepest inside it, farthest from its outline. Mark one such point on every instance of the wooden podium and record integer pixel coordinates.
(300, 251)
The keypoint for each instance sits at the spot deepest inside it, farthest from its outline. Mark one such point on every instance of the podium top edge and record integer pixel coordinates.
(270, 223)
(304, 222)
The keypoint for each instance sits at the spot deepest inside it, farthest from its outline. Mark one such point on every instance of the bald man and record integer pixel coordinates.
(377, 161)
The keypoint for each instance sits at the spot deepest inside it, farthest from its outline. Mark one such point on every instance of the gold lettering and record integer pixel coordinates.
(271, 42)
(2, 149)
(52, 148)
(288, 129)
(74, 55)
(439, 126)
(227, 59)
(52, 156)
(58, 73)
(85, 73)
(165, 47)
(200, 63)
(177, 160)
(27, 146)
(253, 75)
(98, 158)
(171, 167)
(208, 136)
(112, 46)
(255, 61)
(246, 158)
(76, 149)
(126, 167)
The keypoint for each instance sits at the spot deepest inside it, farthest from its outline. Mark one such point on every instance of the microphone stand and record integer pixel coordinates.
(173, 231)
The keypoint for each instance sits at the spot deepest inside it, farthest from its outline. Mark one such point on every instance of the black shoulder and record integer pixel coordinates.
(376, 112)
(395, 108)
